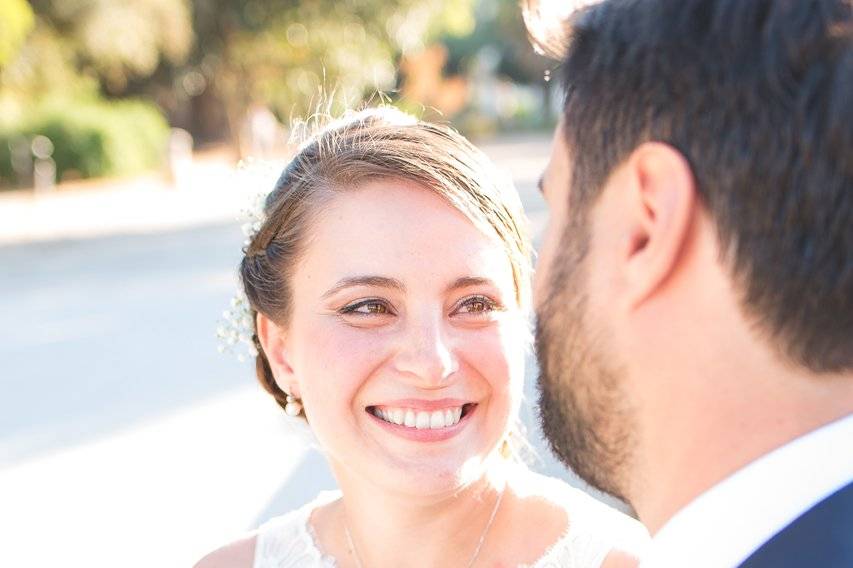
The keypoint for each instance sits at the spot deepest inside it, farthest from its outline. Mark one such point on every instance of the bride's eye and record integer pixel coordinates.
(476, 305)
(367, 308)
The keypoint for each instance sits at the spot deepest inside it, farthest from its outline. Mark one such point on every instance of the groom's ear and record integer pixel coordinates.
(659, 201)
(273, 339)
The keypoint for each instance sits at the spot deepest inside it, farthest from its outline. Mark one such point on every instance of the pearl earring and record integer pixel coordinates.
(293, 407)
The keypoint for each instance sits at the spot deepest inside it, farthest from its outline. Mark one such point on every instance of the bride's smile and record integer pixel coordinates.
(446, 413)
(416, 422)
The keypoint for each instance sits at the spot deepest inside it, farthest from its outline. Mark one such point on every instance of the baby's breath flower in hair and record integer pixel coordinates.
(235, 330)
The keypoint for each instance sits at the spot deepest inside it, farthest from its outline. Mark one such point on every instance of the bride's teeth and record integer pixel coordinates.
(410, 419)
(397, 416)
(419, 419)
(422, 420)
(436, 420)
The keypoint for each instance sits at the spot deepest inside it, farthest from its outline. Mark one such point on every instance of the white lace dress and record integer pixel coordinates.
(594, 529)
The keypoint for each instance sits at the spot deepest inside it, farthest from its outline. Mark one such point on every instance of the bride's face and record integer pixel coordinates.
(405, 343)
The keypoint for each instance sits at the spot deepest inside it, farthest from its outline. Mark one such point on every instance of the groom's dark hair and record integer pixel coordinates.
(758, 97)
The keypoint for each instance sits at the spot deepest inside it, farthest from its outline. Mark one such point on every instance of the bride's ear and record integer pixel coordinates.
(273, 339)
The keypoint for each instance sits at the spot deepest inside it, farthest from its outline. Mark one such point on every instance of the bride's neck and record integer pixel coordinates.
(396, 529)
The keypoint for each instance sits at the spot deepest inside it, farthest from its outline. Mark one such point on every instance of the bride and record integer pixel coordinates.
(389, 289)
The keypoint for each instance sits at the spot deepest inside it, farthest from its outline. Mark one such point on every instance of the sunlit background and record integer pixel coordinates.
(126, 439)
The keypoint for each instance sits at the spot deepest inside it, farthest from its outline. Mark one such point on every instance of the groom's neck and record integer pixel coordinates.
(706, 439)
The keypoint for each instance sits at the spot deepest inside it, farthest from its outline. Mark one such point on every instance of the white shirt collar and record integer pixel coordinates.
(722, 527)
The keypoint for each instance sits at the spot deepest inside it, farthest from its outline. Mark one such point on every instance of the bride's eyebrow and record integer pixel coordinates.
(470, 281)
(374, 281)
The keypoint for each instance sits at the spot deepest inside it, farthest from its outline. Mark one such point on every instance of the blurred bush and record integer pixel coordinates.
(90, 138)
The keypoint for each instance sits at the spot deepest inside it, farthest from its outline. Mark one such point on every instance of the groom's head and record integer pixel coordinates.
(699, 256)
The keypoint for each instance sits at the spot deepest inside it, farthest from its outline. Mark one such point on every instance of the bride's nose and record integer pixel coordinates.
(424, 353)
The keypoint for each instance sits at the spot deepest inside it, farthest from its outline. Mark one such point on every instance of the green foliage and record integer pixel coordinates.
(45, 66)
(16, 21)
(294, 56)
(205, 62)
(92, 138)
(121, 40)
(500, 27)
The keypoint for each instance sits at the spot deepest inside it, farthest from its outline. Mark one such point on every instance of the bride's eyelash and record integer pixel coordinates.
(490, 304)
(353, 308)
(381, 307)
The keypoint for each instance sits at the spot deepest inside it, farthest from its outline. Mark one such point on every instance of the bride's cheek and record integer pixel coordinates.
(493, 362)
(343, 360)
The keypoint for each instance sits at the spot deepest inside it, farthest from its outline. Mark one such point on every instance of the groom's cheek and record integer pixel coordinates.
(545, 264)
(540, 277)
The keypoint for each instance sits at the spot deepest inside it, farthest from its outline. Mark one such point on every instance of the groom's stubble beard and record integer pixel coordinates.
(583, 409)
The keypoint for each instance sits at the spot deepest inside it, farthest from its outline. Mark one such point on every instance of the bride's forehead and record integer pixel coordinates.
(408, 233)
(418, 247)
(395, 212)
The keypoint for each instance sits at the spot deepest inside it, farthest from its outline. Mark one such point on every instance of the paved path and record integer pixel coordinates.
(125, 438)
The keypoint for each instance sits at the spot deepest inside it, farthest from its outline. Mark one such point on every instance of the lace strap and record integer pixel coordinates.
(577, 548)
(287, 541)
(594, 530)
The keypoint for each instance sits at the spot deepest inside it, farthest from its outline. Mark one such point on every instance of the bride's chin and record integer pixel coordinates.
(435, 477)
(396, 467)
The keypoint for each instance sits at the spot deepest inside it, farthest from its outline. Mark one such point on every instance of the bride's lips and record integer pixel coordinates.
(423, 420)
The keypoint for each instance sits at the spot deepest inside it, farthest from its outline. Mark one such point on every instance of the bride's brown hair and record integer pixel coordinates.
(363, 146)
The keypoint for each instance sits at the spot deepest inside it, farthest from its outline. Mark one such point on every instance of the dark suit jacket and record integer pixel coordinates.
(822, 537)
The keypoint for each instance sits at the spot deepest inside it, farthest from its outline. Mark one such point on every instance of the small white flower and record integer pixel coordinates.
(236, 332)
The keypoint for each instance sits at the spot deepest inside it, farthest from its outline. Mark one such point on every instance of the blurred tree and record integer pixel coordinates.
(121, 40)
(44, 66)
(16, 21)
(500, 31)
(206, 62)
(499, 25)
(293, 56)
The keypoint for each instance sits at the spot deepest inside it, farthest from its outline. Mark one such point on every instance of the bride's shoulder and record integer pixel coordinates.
(287, 534)
(586, 522)
(238, 554)
(579, 506)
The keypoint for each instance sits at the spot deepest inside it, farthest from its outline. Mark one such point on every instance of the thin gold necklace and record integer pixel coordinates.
(473, 556)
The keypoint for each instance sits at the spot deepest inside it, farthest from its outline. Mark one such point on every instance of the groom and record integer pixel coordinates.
(695, 286)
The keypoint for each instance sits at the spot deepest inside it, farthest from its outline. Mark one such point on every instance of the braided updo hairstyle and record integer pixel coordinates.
(365, 146)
